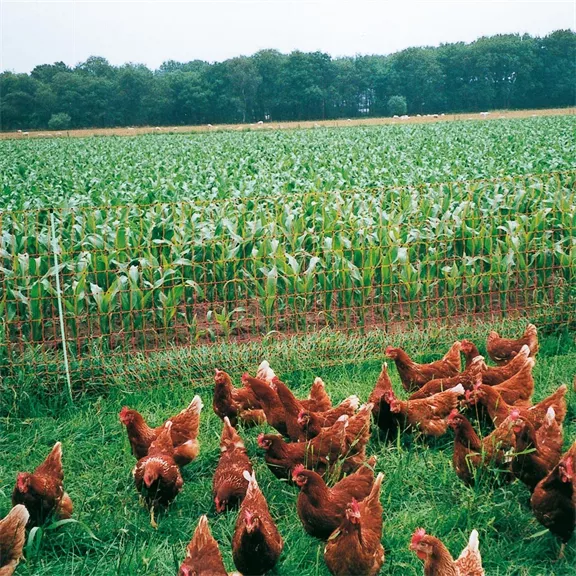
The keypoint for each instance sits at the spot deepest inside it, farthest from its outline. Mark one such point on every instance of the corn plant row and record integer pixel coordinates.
(147, 276)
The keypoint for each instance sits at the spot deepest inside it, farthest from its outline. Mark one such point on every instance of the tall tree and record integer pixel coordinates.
(503, 71)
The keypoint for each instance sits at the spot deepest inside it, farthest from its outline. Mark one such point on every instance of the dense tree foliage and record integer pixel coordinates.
(504, 71)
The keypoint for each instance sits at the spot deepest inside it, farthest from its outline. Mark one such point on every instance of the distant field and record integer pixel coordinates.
(221, 165)
(416, 119)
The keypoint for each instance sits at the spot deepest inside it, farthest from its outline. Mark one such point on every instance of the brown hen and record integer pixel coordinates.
(428, 415)
(320, 508)
(203, 557)
(502, 350)
(467, 378)
(318, 399)
(256, 544)
(311, 423)
(42, 491)
(236, 403)
(439, 562)
(157, 476)
(383, 417)
(355, 547)
(498, 409)
(472, 453)
(185, 427)
(270, 402)
(518, 389)
(294, 409)
(12, 538)
(554, 498)
(414, 375)
(537, 451)
(322, 453)
(229, 485)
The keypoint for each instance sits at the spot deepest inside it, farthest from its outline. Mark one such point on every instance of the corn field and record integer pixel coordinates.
(142, 278)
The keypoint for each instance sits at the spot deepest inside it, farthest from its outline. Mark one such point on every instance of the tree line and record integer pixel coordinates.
(498, 72)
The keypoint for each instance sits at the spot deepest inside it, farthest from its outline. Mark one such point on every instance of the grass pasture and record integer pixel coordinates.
(420, 487)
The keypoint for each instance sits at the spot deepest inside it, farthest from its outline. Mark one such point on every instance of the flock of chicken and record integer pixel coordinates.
(329, 443)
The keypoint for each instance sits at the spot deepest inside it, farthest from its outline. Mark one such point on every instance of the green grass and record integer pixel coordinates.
(420, 487)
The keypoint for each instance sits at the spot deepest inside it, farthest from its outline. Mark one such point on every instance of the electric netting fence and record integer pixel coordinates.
(139, 279)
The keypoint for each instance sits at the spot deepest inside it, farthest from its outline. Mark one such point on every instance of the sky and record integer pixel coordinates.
(151, 32)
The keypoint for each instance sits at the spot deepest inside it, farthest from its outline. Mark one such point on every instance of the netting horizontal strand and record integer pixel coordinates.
(144, 279)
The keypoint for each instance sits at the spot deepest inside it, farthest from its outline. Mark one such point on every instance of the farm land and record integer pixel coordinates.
(181, 253)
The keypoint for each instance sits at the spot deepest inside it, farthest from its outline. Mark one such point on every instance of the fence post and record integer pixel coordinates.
(55, 250)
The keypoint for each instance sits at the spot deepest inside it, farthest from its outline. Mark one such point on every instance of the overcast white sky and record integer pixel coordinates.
(46, 31)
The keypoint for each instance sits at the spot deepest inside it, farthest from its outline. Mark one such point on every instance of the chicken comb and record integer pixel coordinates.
(298, 470)
(124, 413)
(21, 481)
(354, 506)
(389, 349)
(245, 376)
(566, 469)
(417, 536)
(260, 439)
(453, 414)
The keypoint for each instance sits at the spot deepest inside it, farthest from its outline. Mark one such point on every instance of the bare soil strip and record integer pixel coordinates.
(135, 131)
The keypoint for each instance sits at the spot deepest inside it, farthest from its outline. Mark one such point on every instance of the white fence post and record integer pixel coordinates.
(56, 249)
